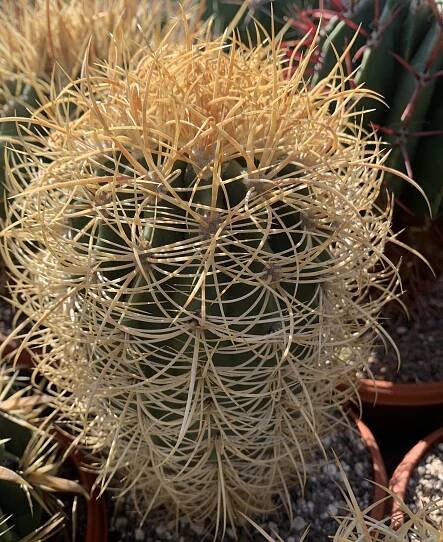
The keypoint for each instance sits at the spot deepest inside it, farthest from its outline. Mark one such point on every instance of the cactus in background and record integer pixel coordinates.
(267, 13)
(398, 53)
(43, 44)
(45, 35)
(28, 465)
(201, 250)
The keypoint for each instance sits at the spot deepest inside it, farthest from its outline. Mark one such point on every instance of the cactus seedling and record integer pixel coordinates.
(201, 250)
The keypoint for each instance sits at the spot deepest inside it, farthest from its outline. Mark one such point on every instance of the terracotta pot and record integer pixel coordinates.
(400, 479)
(25, 357)
(96, 521)
(380, 476)
(389, 407)
(383, 392)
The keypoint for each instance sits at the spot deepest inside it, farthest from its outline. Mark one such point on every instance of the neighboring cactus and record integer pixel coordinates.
(415, 526)
(28, 465)
(44, 36)
(269, 14)
(201, 250)
(43, 44)
(398, 53)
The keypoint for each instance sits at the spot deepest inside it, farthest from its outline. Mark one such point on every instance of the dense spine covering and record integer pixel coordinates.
(201, 261)
(43, 46)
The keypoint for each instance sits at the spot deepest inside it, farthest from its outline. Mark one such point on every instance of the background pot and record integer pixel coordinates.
(385, 393)
(97, 519)
(389, 407)
(400, 479)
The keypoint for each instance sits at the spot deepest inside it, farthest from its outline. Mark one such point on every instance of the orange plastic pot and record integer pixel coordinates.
(402, 475)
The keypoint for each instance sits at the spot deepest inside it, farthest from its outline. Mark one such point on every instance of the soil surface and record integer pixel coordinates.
(322, 501)
(426, 484)
(419, 340)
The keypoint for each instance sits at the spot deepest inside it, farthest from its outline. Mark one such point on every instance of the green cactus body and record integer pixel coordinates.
(429, 163)
(406, 88)
(402, 60)
(377, 58)
(19, 104)
(338, 35)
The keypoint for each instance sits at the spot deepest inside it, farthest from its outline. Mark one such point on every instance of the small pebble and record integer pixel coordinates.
(298, 523)
(332, 510)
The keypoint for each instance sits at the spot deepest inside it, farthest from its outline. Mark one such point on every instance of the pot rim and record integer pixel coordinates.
(379, 498)
(385, 392)
(399, 481)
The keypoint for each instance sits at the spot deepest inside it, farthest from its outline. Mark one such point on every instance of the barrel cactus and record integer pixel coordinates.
(201, 264)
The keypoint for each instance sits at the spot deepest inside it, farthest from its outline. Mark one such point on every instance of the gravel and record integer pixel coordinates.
(419, 340)
(426, 483)
(322, 500)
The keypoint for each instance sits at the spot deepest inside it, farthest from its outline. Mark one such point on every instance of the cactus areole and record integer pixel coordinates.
(200, 247)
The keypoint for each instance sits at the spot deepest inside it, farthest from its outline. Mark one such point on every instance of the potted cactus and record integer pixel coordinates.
(196, 265)
(31, 468)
